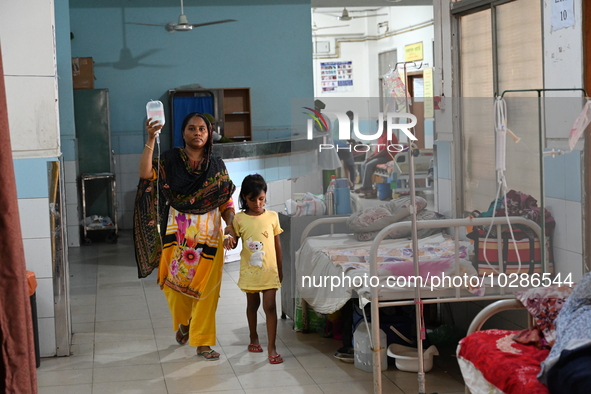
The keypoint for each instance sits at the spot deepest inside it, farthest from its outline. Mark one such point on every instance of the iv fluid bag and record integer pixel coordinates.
(155, 110)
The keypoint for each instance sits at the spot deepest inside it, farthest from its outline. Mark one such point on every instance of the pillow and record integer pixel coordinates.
(370, 219)
(400, 205)
(544, 303)
(425, 214)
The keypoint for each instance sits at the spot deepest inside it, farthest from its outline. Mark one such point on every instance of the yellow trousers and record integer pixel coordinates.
(200, 312)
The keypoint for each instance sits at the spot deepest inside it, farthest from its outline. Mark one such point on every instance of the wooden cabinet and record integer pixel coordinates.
(236, 114)
(229, 106)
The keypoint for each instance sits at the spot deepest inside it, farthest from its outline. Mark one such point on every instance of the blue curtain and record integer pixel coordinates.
(184, 106)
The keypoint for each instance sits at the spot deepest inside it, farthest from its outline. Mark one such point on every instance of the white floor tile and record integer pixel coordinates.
(124, 343)
(70, 389)
(65, 377)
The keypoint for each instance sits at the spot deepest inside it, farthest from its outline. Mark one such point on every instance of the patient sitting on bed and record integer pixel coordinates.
(568, 366)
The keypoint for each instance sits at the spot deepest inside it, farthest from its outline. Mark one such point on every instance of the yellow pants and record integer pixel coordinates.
(201, 312)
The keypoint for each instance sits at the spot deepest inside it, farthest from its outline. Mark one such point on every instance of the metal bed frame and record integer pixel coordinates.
(449, 295)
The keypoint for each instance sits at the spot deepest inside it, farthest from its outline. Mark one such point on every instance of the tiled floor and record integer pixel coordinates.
(123, 343)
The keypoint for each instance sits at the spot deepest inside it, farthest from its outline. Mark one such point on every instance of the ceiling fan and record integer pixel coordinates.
(346, 17)
(183, 24)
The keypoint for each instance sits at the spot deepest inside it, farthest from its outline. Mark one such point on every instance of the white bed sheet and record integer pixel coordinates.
(313, 262)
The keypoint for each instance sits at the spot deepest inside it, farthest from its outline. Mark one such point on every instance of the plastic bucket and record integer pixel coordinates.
(363, 352)
(384, 191)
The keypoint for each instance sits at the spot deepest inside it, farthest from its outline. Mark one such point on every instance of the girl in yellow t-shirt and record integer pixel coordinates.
(260, 260)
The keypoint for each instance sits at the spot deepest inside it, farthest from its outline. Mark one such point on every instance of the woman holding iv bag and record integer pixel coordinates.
(182, 196)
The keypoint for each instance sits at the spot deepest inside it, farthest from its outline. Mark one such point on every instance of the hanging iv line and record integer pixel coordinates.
(501, 130)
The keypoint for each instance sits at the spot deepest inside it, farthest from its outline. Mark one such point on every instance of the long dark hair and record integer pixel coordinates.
(252, 185)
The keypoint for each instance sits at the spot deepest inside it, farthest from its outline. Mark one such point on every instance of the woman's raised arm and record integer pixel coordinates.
(153, 128)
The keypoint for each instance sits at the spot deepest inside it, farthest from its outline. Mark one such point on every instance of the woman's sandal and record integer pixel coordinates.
(184, 336)
(208, 355)
(276, 359)
(255, 348)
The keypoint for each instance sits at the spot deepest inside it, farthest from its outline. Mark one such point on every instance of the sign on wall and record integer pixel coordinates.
(563, 14)
(336, 77)
(413, 52)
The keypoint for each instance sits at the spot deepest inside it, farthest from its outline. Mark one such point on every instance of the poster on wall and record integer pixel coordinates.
(336, 77)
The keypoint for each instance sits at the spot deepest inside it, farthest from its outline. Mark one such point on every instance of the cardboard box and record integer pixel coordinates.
(83, 72)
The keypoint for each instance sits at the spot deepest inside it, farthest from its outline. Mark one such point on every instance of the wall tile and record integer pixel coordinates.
(271, 165)
(287, 189)
(73, 217)
(71, 193)
(70, 173)
(443, 203)
(31, 177)
(574, 227)
(129, 163)
(68, 147)
(568, 263)
(47, 344)
(554, 170)
(38, 256)
(572, 176)
(127, 182)
(45, 307)
(275, 193)
(557, 208)
(443, 164)
(34, 217)
(130, 144)
(74, 236)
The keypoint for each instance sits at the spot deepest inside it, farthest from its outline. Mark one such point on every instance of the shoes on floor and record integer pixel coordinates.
(345, 354)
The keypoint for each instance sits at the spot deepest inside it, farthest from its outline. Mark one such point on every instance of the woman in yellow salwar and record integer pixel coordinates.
(180, 202)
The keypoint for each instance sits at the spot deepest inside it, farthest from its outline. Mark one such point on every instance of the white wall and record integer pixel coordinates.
(28, 55)
(362, 41)
(30, 76)
(563, 68)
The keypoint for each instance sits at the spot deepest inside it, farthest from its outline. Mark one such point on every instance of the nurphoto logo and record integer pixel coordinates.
(322, 121)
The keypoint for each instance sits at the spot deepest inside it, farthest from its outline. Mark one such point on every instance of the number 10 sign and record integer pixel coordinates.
(563, 14)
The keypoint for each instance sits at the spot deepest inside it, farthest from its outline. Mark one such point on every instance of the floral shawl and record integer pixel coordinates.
(190, 191)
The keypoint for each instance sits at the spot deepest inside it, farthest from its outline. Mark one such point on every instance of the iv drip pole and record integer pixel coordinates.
(542, 135)
(375, 309)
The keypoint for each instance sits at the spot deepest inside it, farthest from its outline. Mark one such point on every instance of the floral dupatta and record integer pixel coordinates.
(190, 191)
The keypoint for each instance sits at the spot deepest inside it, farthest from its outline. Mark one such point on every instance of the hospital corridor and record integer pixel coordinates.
(123, 343)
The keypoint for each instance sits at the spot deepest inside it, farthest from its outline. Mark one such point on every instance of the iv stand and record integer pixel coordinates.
(542, 135)
(375, 311)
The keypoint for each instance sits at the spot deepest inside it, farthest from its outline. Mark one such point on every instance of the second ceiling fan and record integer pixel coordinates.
(346, 17)
(183, 23)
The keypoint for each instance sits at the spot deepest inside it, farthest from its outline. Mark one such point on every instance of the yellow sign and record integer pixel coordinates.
(428, 92)
(413, 52)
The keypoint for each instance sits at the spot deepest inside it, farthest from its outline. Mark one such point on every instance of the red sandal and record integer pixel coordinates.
(276, 359)
(255, 348)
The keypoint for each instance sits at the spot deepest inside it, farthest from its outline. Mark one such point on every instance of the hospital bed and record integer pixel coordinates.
(341, 256)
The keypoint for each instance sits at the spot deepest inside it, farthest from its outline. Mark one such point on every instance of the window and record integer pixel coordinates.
(500, 49)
